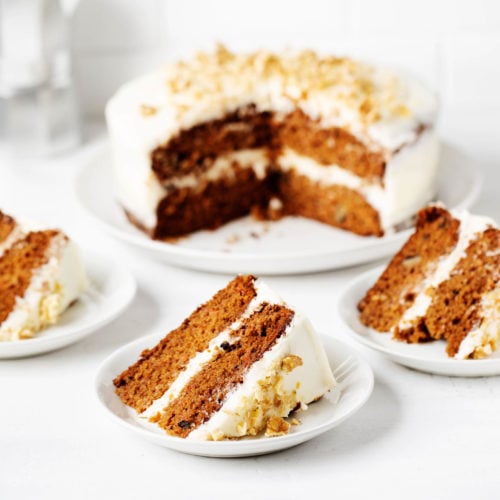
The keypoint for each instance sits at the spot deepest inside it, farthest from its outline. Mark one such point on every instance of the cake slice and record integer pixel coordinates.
(41, 274)
(442, 284)
(237, 366)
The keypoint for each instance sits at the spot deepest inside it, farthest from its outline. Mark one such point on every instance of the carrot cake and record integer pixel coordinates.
(41, 274)
(443, 284)
(204, 141)
(237, 366)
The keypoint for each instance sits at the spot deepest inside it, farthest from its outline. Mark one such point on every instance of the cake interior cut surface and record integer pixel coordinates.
(222, 135)
(41, 275)
(444, 284)
(237, 366)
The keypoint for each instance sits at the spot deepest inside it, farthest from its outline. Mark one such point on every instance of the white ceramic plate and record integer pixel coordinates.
(429, 357)
(291, 245)
(321, 416)
(111, 290)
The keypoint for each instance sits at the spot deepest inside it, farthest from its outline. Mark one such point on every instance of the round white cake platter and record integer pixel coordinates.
(288, 246)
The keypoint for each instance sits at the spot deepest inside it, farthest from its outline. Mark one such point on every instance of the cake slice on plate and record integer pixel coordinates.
(237, 366)
(41, 274)
(442, 284)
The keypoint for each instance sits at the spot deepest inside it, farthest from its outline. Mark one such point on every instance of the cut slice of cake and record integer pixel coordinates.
(41, 274)
(442, 284)
(237, 366)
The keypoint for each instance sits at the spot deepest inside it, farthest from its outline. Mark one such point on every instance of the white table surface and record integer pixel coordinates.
(418, 436)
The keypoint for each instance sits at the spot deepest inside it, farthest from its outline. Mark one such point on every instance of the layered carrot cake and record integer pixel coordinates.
(41, 274)
(443, 284)
(237, 366)
(204, 141)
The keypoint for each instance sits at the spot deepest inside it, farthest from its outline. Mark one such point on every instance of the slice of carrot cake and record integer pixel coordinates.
(237, 366)
(443, 284)
(41, 274)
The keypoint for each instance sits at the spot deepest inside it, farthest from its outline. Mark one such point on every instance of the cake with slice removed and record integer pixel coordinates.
(204, 141)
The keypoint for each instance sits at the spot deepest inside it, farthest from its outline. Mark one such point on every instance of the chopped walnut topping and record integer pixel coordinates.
(291, 362)
(304, 75)
(277, 426)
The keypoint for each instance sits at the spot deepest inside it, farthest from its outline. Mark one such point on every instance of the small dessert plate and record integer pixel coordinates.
(355, 384)
(287, 246)
(111, 289)
(428, 357)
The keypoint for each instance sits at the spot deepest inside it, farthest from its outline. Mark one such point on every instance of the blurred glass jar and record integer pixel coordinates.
(39, 107)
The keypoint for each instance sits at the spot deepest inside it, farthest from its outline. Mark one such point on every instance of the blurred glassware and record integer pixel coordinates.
(39, 106)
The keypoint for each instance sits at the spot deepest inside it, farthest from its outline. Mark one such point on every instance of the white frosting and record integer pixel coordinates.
(301, 385)
(53, 287)
(470, 227)
(183, 95)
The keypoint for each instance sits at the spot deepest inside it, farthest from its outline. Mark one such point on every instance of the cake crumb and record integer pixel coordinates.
(231, 240)
(277, 426)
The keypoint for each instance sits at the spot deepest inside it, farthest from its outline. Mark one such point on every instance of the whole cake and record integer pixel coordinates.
(41, 274)
(207, 140)
(237, 366)
(443, 284)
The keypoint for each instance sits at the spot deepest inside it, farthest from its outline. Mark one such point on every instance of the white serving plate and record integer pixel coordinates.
(352, 392)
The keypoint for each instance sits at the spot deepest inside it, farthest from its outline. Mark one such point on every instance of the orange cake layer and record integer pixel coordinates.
(443, 284)
(335, 205)
(236, 366)
(17, 265)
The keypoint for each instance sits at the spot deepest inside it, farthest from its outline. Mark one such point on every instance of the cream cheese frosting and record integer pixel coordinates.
(295, 372)
(53, 287)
